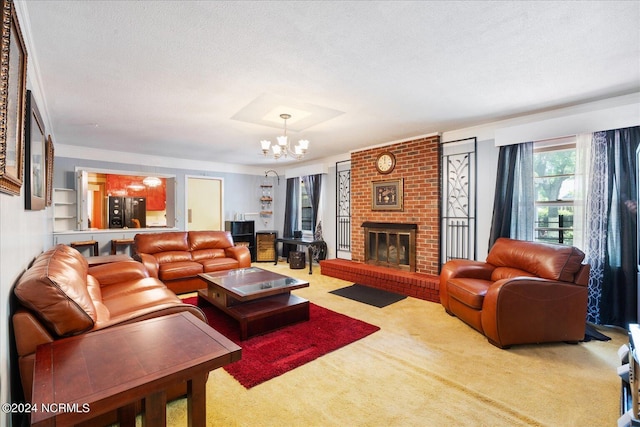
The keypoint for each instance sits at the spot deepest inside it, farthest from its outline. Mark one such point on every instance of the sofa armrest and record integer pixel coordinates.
(531, 309)
(150, 262)
(29, 332)
(462, 268)
(118, 272)
(239, 253)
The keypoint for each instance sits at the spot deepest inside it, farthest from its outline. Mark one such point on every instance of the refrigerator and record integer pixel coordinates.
(127, 212)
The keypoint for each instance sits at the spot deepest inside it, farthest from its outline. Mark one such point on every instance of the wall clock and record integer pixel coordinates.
(386, 162)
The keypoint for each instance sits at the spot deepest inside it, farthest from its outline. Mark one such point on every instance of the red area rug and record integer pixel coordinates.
(270, 355)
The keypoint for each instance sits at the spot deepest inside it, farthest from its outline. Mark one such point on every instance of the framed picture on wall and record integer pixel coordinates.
(387, 195)
(13, 84)
(49, 171)
(35, 158)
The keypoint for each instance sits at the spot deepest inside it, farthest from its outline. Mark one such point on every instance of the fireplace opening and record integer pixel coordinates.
(390, 245)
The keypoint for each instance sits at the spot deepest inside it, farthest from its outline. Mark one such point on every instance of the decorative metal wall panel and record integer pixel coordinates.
(343, 206)
(458, 216)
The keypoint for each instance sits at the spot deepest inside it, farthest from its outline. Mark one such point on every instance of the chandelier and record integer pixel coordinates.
(152, 181)
(283, 147)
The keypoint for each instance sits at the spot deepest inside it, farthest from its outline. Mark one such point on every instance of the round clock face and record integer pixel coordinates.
(385, 162)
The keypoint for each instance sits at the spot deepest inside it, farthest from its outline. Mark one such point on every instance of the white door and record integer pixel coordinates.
(204, 203)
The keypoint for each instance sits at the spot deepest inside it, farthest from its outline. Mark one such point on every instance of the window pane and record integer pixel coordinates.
(553, 188)
(556, 162)
(306, 209)
(554, 171)
(554, 224)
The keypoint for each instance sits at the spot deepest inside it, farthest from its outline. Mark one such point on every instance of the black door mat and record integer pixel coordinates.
(368, 295)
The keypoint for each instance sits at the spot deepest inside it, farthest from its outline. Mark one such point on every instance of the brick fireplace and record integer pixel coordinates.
(418, 164)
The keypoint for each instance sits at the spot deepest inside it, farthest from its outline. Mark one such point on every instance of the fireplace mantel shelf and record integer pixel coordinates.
(389, 225)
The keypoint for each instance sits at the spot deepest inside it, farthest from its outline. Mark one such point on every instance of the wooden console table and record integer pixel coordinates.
(310, 244)
(94, 373)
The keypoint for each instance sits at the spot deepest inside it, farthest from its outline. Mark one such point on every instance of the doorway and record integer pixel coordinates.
(204, 203)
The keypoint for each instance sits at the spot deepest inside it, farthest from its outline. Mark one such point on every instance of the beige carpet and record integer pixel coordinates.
(423, 368)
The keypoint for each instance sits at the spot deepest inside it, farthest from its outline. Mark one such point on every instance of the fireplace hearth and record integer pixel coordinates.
(390, 244)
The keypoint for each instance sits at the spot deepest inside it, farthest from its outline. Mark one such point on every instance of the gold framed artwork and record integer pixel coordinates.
(387, 195)
(13, 93)
(35, 194)
(49, 173)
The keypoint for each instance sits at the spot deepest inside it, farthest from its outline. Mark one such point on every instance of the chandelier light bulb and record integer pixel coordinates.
(282, 140)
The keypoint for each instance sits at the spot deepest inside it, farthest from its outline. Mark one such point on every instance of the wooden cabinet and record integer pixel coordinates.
(265, 246)
(243, 233)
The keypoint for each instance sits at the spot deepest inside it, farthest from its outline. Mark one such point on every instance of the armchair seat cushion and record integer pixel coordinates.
(179, 269)
(470, 292)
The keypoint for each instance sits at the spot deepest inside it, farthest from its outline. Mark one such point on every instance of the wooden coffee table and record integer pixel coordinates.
(259, 299)
(81, 377)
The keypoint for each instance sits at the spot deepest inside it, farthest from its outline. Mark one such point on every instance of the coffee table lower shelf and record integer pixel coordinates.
(265, 314)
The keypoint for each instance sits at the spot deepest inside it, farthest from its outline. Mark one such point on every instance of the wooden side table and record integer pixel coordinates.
(310, 244)
(94, 373)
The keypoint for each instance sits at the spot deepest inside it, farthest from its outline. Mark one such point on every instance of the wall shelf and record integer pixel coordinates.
(65, 209)
(243, 233)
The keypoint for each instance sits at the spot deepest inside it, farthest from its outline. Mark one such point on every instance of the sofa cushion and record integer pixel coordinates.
(203, 254)
(151, 243)
(508, 273)
(179, 270)
(218, 264)
(127, 297)
(469, 291)
(209, 240)
(553, 262)
(55, 288)
(172, 256)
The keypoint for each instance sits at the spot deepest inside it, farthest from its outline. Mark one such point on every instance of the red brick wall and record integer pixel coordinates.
(418, 162)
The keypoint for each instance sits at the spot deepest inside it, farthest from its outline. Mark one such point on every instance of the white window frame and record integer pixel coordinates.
(547, 146)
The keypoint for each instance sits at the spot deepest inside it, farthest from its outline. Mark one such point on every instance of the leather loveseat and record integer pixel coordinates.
(177, 257)
(525, 292)
(60, 296)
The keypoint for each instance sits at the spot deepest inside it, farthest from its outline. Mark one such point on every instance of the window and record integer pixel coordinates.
(554, 167)
(306, 210)
(147, 206)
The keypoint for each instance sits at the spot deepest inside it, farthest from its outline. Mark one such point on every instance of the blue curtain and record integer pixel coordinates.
(513, 205)
(618, 273)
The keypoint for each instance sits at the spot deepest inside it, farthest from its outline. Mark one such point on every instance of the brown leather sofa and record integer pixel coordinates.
(177, 257)
(60, 296)
(525, 292)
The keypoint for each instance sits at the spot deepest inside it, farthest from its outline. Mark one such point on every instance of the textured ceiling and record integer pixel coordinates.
(173, 78)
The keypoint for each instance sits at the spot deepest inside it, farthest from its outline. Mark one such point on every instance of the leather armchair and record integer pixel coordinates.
(525, 292)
